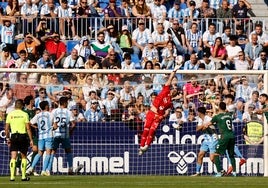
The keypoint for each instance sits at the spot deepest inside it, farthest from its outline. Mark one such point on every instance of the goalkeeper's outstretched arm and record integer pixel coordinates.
(172, 75)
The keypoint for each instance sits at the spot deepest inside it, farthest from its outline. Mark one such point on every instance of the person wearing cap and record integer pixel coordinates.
(125, 40)
(149, 53)
(175, 12)
(77, 115)
(94, 114)
(158, 111)
(209, 64)
(140, 37)
(84, 48)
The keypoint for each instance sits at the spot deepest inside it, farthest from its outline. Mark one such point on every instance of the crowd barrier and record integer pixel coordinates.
(112, 149)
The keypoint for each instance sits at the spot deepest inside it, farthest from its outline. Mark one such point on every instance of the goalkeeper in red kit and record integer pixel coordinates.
(161, 103)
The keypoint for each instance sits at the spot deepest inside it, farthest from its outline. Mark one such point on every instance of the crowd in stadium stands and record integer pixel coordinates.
(164, 33)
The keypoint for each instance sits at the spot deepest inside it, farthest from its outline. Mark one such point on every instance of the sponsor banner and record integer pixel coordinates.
(112, 148)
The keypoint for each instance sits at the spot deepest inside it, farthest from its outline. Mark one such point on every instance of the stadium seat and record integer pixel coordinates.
(70, 45)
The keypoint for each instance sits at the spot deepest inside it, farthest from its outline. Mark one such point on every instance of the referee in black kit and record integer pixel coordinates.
(17, 123)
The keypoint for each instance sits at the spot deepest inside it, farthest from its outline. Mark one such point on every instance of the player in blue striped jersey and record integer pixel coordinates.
(63, 124)
(44, 124)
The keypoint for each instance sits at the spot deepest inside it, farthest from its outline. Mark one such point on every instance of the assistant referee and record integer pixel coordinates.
(18, 133)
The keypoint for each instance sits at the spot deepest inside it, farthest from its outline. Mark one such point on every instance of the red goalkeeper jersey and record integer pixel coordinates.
(162, 101)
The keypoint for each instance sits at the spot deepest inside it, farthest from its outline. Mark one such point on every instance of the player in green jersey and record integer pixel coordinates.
(223, 120)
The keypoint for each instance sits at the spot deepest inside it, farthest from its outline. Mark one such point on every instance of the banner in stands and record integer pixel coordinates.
(112, 148)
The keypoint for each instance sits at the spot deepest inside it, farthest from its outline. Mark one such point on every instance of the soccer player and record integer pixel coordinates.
(223, 121)
(63, 124)
(17, 123)
(158, 111)
(44, 123)
(210, 138)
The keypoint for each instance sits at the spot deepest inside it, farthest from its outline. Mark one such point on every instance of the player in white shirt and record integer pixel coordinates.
(43, 120)
(63, 124)
(210, 138)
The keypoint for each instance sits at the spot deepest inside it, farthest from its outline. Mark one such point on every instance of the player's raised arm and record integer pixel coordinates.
(172, 75)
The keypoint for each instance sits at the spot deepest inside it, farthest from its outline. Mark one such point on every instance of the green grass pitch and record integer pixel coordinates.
(127, 181)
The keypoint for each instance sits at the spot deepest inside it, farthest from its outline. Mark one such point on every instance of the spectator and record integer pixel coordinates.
(206, 12)
(33, 77)
(7, 102)
(169, 53)
(78, 116)
(140, 37)
(45, 61)
(159, 14)
(127, 64)
(42, 96)
(76, 90)
(232, 52)
(127, 94)
(240, 11)
(100, 80)
(210, 35)
(149, 53)
(241, 63)
(261, 63)
(111, 105)
(243, 90)
(192, 64)
(93, 114)
(191, 90)
(177, 34)
(56, 48)
(239, 110)
(88, 87)
(218, 53)
(160, 38)
(100, 46)
(30, 45)
(191, 116)
(242, 38)
(226, 36)
(124, 40)
(42, 30)
(73, 61)
(176, 12)
(141, 10)
(262, 36)
(66, 22)
(221, 84)
(91, 63)
(23, 62)
(54, 89)
(13, 8)
(224, 13)
(194, 40)
(22, 89)
(111, 36)
(191, 14)
(84, 15)
(49, 12)
(7, 33)
(5, 57)
(253, 49)
(254, 100)
(112, 15)
(111, 61)
(131, 118)
(144, 89)
(29, 12)
(177, 118)
(209, 63)
(84, 48)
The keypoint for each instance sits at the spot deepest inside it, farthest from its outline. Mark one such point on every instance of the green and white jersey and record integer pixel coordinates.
(224, 122)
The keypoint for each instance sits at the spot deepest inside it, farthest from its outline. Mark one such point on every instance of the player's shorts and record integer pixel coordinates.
(224, 144)
(19, 142)
(209, 145)
(44, 144)
(65, 142)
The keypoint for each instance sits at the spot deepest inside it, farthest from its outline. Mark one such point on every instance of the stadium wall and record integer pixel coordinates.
(112, 148)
